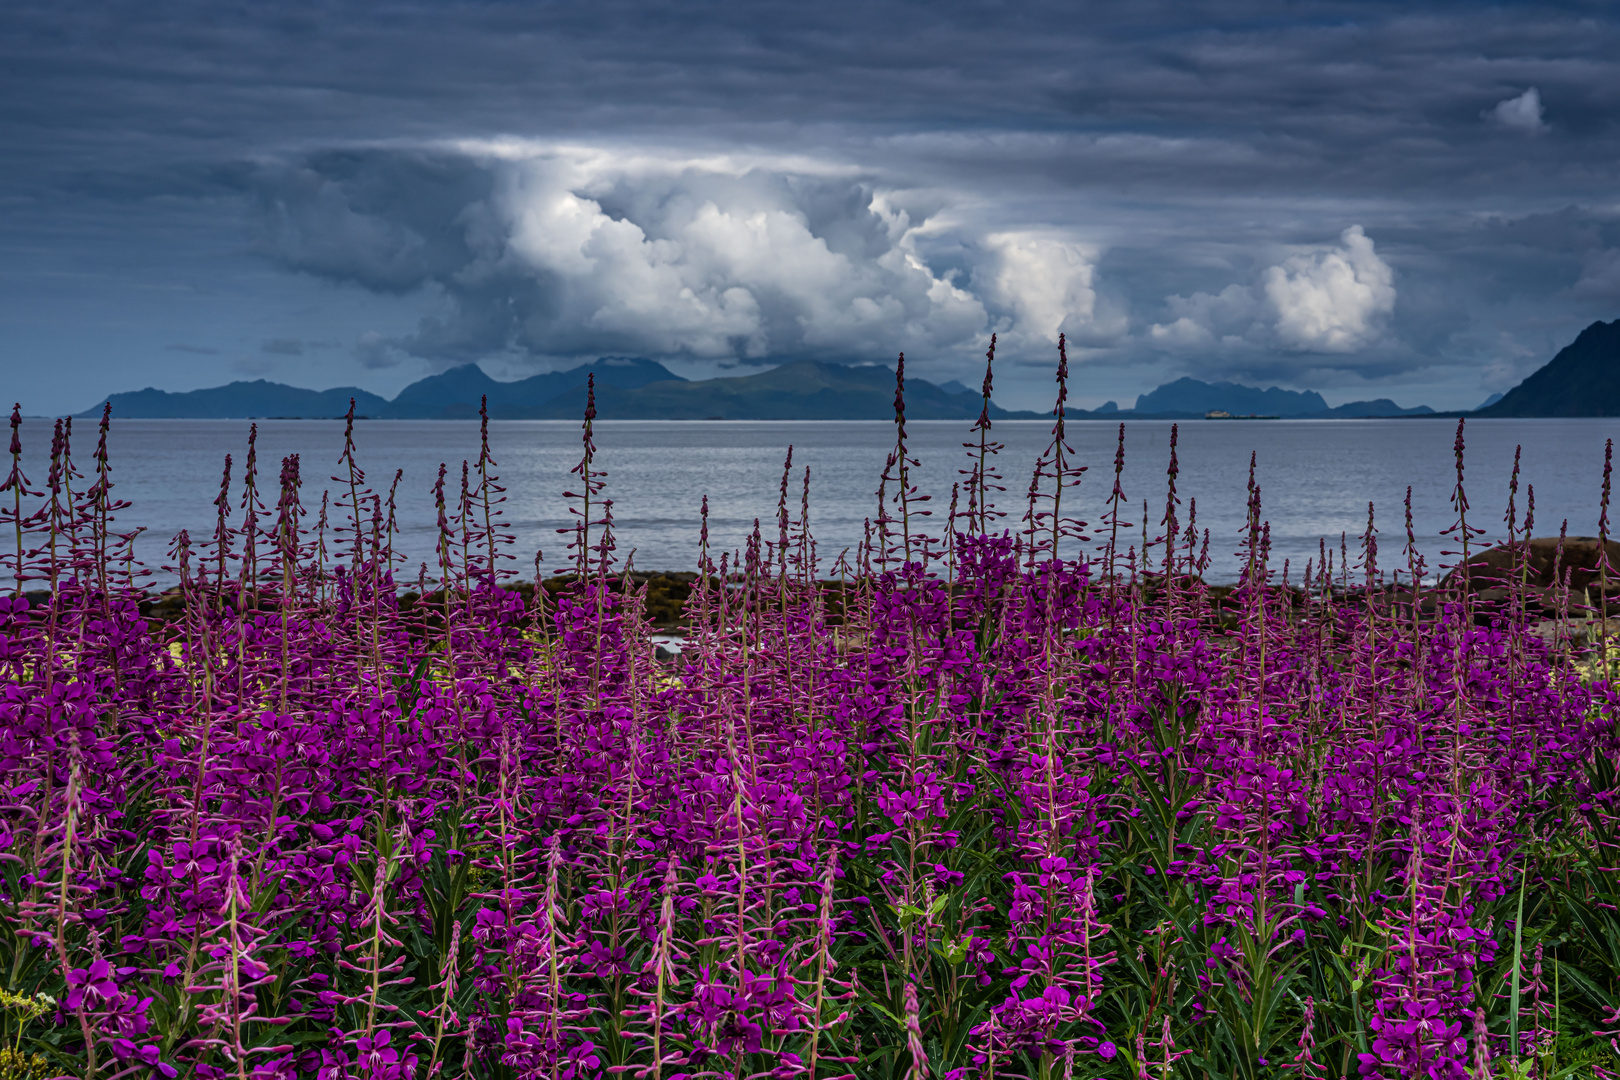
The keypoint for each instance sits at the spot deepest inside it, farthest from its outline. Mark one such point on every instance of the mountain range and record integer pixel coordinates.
(632, 388)
(627, 388)
(1582, 380)
(1190, 397)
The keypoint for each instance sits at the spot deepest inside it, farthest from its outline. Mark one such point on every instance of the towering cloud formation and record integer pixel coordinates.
(1329, 300)
(1047, 282)
(560, 251)
(1332, 301)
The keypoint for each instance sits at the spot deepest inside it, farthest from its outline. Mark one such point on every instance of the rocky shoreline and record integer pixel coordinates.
(1561, 580)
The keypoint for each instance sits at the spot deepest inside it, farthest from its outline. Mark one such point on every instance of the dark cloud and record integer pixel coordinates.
(1187, 154)
(549, 251)
(373, 350)
(284, 346)
(386, 220)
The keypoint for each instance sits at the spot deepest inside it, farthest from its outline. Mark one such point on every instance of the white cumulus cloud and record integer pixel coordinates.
(1045, 281)
(722, 258)
(1185, 332)
(1332, 301)
(684, 258)
(1206, 319)
(1523, 113)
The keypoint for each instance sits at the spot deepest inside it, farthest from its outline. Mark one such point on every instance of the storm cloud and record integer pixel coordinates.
(1417, 199)
(545, 251)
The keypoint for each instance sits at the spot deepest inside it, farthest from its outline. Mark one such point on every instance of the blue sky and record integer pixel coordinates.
(1416, 200)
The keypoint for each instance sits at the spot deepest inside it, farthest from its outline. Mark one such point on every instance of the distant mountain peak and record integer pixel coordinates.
(241, 400)
(1192, 398)
(1188, 395)
(1583, 379)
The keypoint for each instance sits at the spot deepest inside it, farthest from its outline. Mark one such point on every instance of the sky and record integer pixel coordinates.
(1412, 200)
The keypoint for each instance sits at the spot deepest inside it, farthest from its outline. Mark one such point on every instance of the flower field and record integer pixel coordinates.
(1003, 794)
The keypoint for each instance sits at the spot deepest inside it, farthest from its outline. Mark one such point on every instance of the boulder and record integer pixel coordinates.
(1494, 572)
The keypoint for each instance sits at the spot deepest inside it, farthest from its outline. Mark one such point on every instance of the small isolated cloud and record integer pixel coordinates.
(199, 350)
(1523, 113)
(1206, 319)
(1332, 301)
(284, 346)
(374, 351)
(1184, 333)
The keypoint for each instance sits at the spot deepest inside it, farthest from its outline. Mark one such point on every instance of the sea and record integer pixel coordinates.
(1318, 480)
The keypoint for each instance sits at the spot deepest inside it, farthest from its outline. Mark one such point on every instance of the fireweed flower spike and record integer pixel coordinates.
(17, 484)
(1001, 820)
(982, 479)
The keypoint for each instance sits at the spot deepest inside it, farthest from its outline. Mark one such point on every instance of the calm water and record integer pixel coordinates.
(1316, 476)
